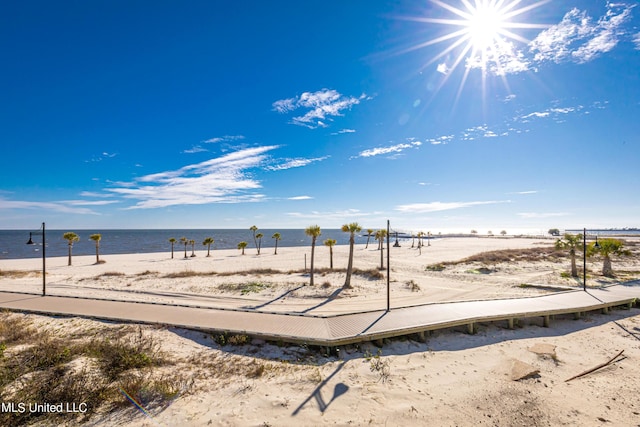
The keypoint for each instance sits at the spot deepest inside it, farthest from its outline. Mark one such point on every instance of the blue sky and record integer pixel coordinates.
(438, 115)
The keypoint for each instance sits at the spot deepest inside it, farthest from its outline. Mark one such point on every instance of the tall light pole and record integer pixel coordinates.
(584, 258)
(44, 251)
(388, 269)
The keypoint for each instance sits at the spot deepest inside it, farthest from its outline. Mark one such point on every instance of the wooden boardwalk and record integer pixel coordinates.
(332, 330)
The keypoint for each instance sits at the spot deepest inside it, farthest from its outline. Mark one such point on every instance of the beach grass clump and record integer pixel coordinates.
(413, 286)
(513, 255)
(120, 353)
(15, 329)
(245, 288)
(371, 274)
(149, 391)
(111, 274)
(188, 273)
(19, 274)
(435, 267)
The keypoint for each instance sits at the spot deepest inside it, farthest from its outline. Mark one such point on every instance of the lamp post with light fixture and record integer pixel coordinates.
(44, 246)
(584, 257)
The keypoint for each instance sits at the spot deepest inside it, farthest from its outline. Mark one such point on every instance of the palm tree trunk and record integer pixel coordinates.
(172, 251)
(97, 253)
(331, 257)
(69, 254)
(347, 282)
(574, 268)
(275, 252)
(208, 250)
(313, 249)
(607, 270)
(381, 257)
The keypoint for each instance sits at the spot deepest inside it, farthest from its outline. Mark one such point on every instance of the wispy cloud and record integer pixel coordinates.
(446, 206)
(525, 192)
(532, 215)
(482, 131)
(226, 138)
(320, 106)
(440, 140)
(300, 198)
(392, 149)
(223, 179)
(295, 163)
(554, 113)
(340, 132)
(195, 149)
(102, 156)
(333, 215)
(636, 41)
(580, 38)
(69, 206)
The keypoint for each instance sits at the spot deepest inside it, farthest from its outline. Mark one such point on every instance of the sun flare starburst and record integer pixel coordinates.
(481, 37)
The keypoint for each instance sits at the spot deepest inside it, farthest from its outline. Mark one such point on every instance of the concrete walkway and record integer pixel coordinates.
(332, 330)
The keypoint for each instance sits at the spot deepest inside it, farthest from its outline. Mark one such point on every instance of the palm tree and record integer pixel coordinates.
(330, 243)
(96, 238)
(173, 241)
(413, 239)
(254, 229)
(352, 229)
(259, 236)
(428, 238)
(276, 236)
(369, 233)
(71, 237)
(186, 242)
(572, 242)
(242, 245)
(208, 242)
(380, 235)
(313, 231)
(606, 248)
(193, 247)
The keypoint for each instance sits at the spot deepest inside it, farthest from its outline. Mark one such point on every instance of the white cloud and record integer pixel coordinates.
(440, 140)
(343, 131)
(321, 105)
(70, 207)
(440, 206)
(526, 192)
(300, 198)
(220, 180)
(636, 41)
(509, 98)
(553, 112)
(335, 215)
(442, 68)
(226, 138)
(295, 163)
(579, 38)
(390, 149)
(102, 156)
(532, 215)
(195, 149)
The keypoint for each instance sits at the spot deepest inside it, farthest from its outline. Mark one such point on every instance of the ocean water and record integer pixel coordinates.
(13, 242)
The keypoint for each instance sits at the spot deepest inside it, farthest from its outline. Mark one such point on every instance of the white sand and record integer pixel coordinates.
(453, 379)
(123, 276)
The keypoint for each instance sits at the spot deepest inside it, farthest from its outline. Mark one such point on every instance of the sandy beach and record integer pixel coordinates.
(452, 379)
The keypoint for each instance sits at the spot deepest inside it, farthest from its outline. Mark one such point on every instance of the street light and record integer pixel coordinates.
(44, 245)
(584, 257)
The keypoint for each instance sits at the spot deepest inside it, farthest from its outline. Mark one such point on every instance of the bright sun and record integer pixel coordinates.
(481, 36)
(484, 25)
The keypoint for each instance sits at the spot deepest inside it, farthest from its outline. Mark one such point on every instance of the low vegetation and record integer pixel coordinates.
(102, 371)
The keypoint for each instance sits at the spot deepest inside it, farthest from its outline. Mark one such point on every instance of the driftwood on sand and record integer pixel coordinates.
(595, 368)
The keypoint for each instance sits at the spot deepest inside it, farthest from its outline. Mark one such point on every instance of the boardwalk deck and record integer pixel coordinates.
(334, 330)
